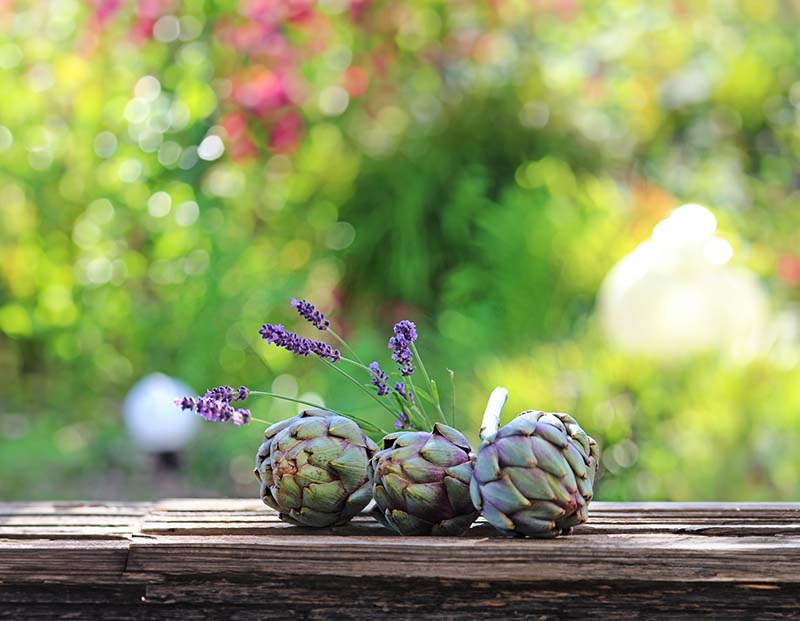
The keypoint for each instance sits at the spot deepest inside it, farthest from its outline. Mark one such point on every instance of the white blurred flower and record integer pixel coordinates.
(675, 295)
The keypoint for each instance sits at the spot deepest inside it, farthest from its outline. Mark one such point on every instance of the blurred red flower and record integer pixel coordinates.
(788, 268)
(240, 143)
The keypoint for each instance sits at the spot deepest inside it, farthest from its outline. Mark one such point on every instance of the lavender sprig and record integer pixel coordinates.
(403, 422)
(405, 333)
(215, 405)
(379, 379)
(358, 385)
(403, 353)
(311, 314)
(298, 345)
(400, 389)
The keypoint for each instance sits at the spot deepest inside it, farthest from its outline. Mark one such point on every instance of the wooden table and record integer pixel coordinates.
(217, 559)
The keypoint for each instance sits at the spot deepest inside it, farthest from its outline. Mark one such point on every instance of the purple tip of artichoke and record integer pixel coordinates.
(534, 477)
(313, 468)
(420, 482)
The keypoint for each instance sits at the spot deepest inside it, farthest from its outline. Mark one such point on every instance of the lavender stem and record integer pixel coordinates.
(321, 407)
(285, 398)
(453, 402)
(260, 420)
(346, 345)
(434, 393)
(417, 407)
(361, 387)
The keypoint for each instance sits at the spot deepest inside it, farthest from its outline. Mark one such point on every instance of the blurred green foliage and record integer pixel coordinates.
(476, 167)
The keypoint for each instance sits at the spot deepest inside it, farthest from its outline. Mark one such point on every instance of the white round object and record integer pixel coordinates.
(154, 423)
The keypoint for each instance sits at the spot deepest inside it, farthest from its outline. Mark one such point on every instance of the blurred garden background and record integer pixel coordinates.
(504, 173)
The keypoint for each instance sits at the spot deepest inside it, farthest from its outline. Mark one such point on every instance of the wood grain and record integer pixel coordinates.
(212, 558)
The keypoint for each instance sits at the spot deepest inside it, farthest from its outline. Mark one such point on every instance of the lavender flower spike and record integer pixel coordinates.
(379, 379)
(216, 406)
(400, 389)
(276, 334)
(311, 314)
(228, 394)
(403, 422)
(405, 333)
(241, 417)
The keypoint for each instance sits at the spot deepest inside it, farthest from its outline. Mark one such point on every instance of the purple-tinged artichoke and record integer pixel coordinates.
(313, 469)
(420, 482)
(534, 476)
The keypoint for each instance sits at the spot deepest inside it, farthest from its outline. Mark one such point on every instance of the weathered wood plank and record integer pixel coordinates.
(233, 558)
(71, 560)
(68, 533)
(247, 517)
(210, 504)
(413, 597)
(626, 557)
(365, 527)
(78, 508)
(49, 593)
(70, 520)
(50, 521)
(277, 598)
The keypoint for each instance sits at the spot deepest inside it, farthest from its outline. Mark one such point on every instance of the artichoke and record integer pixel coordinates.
(420, 482)
(534, 477)
(313, 468)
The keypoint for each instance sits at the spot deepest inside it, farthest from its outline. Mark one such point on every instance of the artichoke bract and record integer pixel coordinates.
(313, 468)
(420, 482)
(534, 476)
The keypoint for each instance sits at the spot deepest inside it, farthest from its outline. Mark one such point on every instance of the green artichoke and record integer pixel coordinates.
(534, 477)
(420, 482)
(313, 468)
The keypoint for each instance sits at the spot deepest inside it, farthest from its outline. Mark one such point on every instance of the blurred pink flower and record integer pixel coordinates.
(286, 133)
(147, 14)
(105, 9)
(249, 37)
(255, 39)
(238, 138)
(298, 10)
(273, 12)
(358, 8)
(263, 11)
(142, 29)
(788, 268)
(260, 90)
(153, 8)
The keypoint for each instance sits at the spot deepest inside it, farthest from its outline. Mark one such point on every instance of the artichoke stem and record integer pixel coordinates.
(491, 416)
